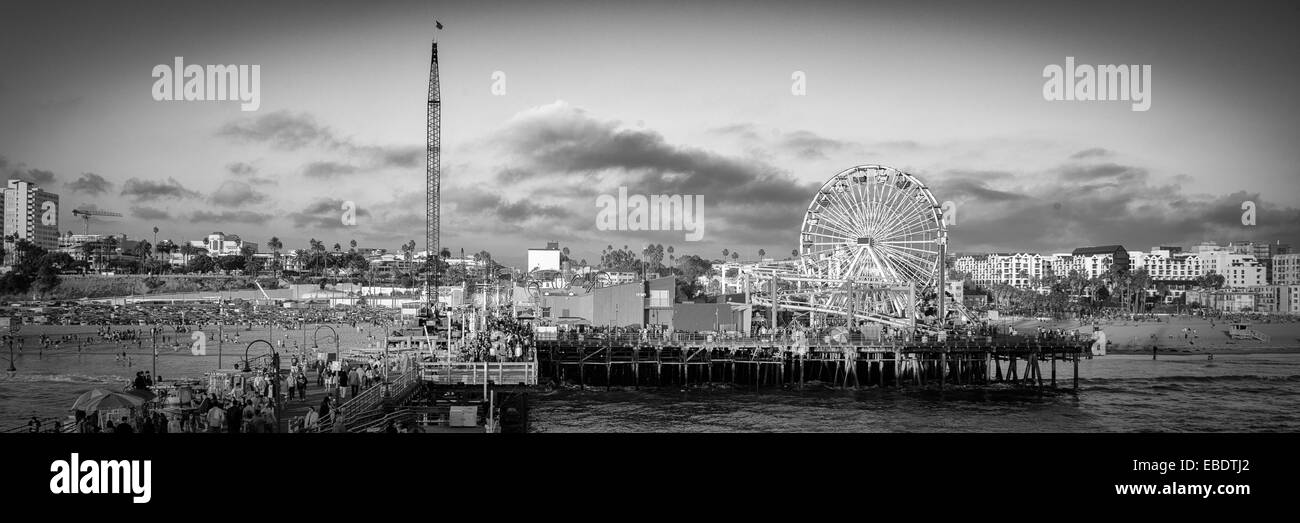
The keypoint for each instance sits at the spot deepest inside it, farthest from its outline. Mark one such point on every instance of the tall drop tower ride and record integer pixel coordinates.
(432, 158)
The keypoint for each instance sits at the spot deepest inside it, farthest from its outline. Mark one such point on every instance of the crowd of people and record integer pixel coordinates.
(504, 340)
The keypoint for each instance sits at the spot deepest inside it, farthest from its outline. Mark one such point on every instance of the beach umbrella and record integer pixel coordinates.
(87, 397)
(144, 394)
(113, 400)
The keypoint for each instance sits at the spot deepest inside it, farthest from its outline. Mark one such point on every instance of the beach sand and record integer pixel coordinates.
(1128, 337)
(349, 338)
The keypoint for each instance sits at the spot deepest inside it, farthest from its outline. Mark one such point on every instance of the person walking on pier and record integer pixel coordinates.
(234, 420)
(311, 421)
(324, 407)
(342, 377)
(216, 418)
(354, 381)
(339, 427)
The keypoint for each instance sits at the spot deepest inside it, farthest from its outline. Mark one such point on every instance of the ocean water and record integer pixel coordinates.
(47, 385)
(1117, 393)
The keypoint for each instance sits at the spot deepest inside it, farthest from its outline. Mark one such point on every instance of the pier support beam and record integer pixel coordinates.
(1076, 373)
(943, 364)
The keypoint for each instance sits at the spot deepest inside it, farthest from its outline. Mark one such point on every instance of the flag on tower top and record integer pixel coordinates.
(437, 23)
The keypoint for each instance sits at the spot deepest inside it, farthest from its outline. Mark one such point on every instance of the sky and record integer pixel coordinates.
(661, 98)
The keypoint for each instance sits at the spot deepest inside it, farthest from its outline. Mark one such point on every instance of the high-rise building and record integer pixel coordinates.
(30, 213)
(1238, 270)
(1286, 269)
(1206, 247)
(1014, 269)
(1099, 260)
(1164, 265)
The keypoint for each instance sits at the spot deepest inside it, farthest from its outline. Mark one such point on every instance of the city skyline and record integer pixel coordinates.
(699, 106)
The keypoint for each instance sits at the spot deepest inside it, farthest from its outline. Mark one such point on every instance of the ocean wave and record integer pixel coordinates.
(1192, 379)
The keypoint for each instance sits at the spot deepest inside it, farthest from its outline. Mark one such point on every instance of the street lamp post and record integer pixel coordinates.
(386, 363)
(337, 356)
(275, 377)
(12, 368)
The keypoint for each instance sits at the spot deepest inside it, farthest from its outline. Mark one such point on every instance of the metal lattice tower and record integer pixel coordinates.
(432, 156)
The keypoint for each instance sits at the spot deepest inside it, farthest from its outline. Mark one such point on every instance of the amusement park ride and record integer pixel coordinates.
(871, 248)
(433, 183)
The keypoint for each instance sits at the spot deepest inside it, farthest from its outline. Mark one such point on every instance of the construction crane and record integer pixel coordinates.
(85, 214)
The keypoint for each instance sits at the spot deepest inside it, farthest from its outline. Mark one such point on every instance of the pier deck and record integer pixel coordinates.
(785, 362)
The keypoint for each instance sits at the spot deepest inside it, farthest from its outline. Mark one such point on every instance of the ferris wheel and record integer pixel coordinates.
(870, 248)
(873, 224)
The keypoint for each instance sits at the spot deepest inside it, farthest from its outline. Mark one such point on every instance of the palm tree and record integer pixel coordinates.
(187, 250)
(155, 235)
(794, 253)
(141, 250)
(164, 248)
(275, 244)
(353, 244)
(761, 254)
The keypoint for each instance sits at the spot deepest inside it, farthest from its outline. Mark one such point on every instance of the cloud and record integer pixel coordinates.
(325, 213)
(745, 131)
(90, 183)
(1090, 153)
(1106, 204)
(1106, 172)
(280, 129)
(150, 213)
(809, 146)
(976, 190)
(474, 200)
(241, 169)
(511, 175)
(803, 144)
(230, 217)
(141, 190)
(381, 157)
(557, 146)
(236, 193)
(291, 131)
(558, 140)
(248, 173)
(327, 169)
(36, 176)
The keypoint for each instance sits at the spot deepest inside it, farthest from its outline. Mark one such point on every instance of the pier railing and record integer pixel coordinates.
(785, 344)
(479, 373)
(368, 400)
(47, 425)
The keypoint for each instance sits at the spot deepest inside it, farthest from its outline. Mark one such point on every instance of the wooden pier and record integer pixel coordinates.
(756, 363)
